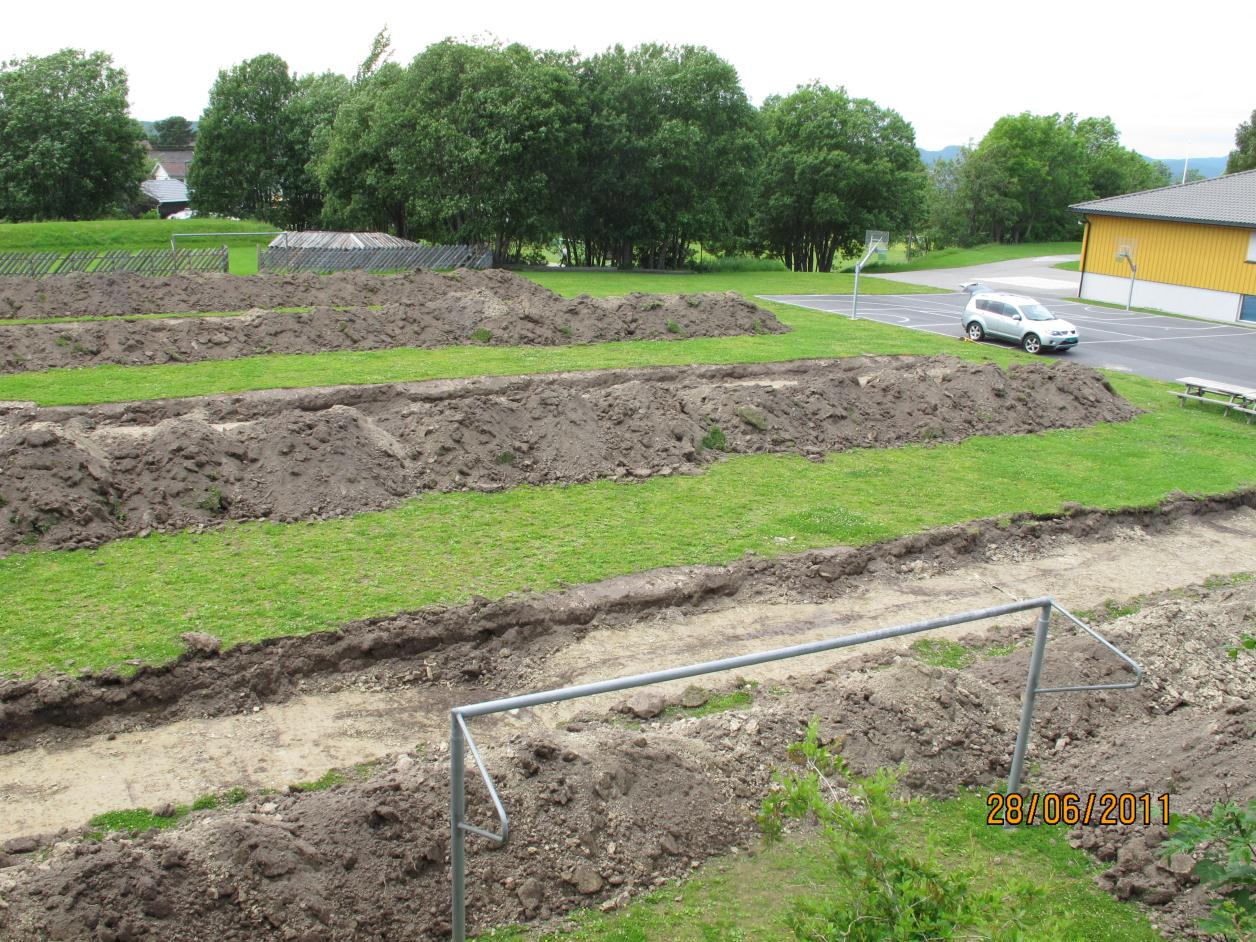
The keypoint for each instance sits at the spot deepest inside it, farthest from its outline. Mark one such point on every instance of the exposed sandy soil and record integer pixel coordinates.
(80, 476)
(461, 314)
(340, 719)
(123, 293)
(599, 810)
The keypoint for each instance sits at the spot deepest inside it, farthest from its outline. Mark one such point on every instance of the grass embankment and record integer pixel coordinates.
(814, 335)
(962, 258)
(1046, 887)
(135, 234)
(131, 599)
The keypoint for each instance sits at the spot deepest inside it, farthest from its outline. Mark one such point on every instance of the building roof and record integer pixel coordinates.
(166, 191)
(314, 239)
(1222, 201)
(175, 161)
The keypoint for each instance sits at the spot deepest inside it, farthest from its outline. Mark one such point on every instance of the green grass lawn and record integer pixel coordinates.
(1068, 266)
(815, 334)
(962, 258)
(132, 598)
(135, 234)
(1046, 888)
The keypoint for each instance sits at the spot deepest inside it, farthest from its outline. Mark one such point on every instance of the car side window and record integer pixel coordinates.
(1009, 310)
(984, 305)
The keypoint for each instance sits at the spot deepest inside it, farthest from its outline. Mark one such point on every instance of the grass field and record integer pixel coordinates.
(814, 335)
(133, 598)
(961, 258)
(1046, 888)
(135, 234)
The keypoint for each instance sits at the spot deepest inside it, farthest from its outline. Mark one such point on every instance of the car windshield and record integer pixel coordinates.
(1036, 312)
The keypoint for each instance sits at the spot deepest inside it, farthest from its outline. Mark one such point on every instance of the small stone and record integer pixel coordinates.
(404, 763)
(585, 879)
(1181, 864)
(199, 642)
(530, 894)
(694, 697)
(268, 808)
(164, 810)
(20, 845)
(645, 705)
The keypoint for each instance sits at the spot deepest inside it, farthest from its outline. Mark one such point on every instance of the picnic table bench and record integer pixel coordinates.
(1227, 395)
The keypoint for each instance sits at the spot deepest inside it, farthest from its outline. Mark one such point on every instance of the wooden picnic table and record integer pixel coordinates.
(1227, 395)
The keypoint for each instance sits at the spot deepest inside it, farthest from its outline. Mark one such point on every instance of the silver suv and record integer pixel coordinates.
(1019, 319)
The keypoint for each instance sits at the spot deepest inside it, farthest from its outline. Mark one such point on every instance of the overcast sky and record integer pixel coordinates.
(1176, 78)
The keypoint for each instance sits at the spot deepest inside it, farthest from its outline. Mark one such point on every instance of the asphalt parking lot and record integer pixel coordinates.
(1146, 344)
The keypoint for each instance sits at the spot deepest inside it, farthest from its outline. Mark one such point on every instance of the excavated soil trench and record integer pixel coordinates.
(600, 811)
(507, 310)
(126, 293)
(361, 717)
(80, 476)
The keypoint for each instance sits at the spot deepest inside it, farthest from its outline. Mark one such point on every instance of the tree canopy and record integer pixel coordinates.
(833, 167)
(1017, 184)
(173, 133)
(68, 148)
(1243, 157)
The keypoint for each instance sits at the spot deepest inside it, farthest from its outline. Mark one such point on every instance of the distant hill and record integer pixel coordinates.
(930, 157)
(1208, 166)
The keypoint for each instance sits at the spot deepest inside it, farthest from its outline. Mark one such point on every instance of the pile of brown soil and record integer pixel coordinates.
(124, 293)
(461, 315)
(599, 811)
(80, 476)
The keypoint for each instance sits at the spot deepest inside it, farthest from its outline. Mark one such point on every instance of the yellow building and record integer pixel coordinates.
(1193, 247)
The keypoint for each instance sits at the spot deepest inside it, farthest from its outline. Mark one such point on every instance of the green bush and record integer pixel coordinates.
(714, 439)
(1224, 847)
(481, 335)
(897, 893)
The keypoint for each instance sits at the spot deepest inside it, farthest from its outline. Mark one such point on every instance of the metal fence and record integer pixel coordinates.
(281, 259)
(460, 736)
(145, 262)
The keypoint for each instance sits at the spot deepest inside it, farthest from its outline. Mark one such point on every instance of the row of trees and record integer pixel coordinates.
(629, 157)
(1017, 184)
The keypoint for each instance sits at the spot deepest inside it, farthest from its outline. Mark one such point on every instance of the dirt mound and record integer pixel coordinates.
(125, 469)
(124, 293)
(462, 315)
(599, 811)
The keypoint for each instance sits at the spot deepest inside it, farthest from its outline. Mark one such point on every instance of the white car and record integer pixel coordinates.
(1019, 319)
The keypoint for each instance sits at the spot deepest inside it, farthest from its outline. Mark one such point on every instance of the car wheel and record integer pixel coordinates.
(975, 332)
(1031, 344)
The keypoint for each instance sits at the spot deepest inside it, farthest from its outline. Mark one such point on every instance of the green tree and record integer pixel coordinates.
(259, 140)
(466, 144)
(666, 160)
(173, 133)
(241, 145)
(834, 167)
(357, 168)
(68, 149)
(1243, 157)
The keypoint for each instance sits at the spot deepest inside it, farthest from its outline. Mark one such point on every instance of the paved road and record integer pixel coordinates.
(1033, 276)
(1146, 344)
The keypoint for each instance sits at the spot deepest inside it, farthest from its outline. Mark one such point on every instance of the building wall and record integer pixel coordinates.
(1173, 253)
(1177, 299)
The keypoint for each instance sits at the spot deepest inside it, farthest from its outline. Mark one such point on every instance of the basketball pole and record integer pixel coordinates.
(1129, 300)
(854, 304)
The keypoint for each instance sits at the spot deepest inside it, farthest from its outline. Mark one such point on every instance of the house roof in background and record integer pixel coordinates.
(166, 191)
(315, 239)
(175, 161)
(1223, 201)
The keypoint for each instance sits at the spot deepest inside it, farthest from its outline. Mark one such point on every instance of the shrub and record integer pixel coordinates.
(673, 327)
(714, 439)
(898, 893)
(481, 335)
(1224, 847)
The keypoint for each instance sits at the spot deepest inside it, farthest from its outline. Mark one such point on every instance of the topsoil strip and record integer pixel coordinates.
(122, 293)
(439, 310)
(81, 476)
